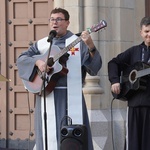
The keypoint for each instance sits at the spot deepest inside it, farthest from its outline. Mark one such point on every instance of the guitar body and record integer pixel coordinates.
(129, 83)
(51, 78)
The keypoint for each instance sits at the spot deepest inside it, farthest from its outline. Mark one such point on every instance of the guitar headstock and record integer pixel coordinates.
(102, 24)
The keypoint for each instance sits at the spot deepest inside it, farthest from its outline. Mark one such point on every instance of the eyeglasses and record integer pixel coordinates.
(57, 20)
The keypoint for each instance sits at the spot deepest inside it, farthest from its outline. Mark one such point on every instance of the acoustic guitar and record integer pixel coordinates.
(132, 81)
(58, 70)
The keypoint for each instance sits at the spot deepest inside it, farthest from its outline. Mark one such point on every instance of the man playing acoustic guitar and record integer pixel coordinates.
(70, 56)
(137, 83)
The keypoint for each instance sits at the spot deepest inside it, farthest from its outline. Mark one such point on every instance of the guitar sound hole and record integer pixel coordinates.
(132, 76)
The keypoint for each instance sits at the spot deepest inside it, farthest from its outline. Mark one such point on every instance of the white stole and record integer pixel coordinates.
(74, 83)
(43, 46)
(51, 122)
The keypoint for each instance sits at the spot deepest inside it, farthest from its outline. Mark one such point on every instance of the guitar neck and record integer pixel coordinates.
(142, 73)
(66, 49)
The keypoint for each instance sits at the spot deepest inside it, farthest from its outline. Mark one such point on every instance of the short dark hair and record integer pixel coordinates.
(145, 21)
(61, 10)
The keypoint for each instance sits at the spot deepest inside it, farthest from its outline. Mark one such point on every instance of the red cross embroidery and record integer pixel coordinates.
(72, 50)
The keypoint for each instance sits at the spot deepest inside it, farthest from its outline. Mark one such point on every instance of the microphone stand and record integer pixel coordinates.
(44, 94)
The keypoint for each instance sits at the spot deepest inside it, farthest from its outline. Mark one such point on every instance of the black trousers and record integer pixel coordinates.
(138, 128)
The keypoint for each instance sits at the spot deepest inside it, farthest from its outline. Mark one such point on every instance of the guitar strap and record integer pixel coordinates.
(74, 83)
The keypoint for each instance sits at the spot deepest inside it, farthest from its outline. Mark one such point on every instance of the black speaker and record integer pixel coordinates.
(74, 137)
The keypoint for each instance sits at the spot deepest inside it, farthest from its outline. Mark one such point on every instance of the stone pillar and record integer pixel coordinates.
(91, 17)
(92, 91)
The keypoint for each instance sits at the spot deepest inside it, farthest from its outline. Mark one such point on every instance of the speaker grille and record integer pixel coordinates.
(71, 144)
(73, 137)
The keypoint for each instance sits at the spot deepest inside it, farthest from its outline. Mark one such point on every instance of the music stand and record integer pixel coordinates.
(2, 78)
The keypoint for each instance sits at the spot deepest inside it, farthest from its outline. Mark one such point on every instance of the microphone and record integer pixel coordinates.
(52, 34)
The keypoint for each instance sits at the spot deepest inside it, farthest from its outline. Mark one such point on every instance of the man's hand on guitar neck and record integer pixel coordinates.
(115, 88)
(86, 38)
